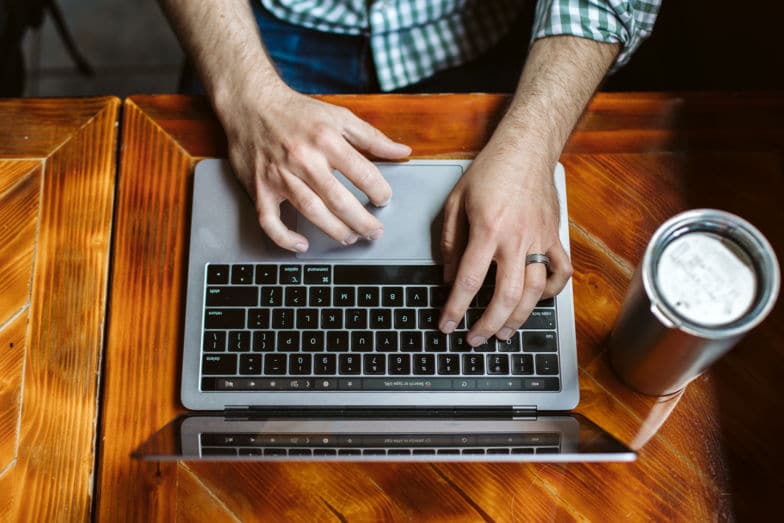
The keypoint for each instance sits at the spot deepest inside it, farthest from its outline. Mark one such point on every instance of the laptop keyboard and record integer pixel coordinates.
(322, 327)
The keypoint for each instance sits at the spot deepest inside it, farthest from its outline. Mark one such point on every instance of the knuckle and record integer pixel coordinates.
(470, 282)
(307, 204)
(510, 295)
(448, 243)
(323, 137)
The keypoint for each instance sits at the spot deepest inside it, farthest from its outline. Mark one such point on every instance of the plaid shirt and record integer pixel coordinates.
(412, 39)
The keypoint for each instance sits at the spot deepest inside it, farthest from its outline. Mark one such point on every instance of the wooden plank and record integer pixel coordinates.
(145, 335)
(19, 219)
(12, 351)
(52, 475)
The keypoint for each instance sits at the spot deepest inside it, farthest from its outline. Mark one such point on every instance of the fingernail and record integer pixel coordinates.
(300, 247)
(375, 235)
(449, 327)
(505, 333)
(476, 340)
(385, 202)
(351, 239)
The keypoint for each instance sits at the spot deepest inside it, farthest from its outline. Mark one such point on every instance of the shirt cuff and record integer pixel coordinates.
(626, 22)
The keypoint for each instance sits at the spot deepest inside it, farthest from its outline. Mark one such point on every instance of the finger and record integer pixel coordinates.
(371, 140)
(561, 271)
(362, 173)
(509, 283)
(312, 207)
(345, 205)
(535, 279)
(470, 276)
(454, 235)
(268, 210)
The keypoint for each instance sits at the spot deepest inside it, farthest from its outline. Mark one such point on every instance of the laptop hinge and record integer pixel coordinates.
(527, 412)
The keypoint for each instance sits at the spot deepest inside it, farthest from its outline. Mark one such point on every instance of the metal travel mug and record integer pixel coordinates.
(706, 279)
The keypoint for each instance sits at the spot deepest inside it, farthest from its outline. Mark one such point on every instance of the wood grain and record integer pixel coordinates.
(12, 349)
(642, 157)
(68, 203)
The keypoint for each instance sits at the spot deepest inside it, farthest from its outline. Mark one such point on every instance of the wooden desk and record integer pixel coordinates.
(635, 160)
(57, 172)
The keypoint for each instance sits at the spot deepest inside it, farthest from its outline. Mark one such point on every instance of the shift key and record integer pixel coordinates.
(224, 319)
(236, 296)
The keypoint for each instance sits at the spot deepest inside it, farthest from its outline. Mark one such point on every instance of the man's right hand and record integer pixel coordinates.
(284, 146)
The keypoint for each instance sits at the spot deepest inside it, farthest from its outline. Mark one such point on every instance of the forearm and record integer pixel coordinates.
(222, 40)
(559, 78)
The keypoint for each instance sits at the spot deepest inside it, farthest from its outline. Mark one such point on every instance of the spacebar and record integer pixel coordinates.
(392, 383)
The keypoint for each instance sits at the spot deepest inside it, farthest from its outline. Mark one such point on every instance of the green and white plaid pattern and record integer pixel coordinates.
(413, 39)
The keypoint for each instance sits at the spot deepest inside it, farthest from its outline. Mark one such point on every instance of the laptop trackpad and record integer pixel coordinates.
(412, 220)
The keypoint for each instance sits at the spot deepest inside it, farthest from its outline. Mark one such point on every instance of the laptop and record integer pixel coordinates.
(335, 353)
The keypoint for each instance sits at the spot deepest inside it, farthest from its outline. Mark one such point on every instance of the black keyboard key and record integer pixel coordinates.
(428, 319)
(258, 318)
(424, 452)
(275, 364)
(380, 319)
(296, 296)
(224, 319)
(349, 452)
(425, 364)
(392, 296)
(250, 452)
(386, 341)
(290, 275)
(546, 364)
(263, 341)
(271, 296)
(313, 341)
(274, 452)
(300, 364)
(283, 318)
(498, 451)
(217, 274)
(241, 274)
(405, 319)
(214, 341)
(448, 452)
(539, 342)
(438, 296)
(308, 319)
(343, 296)
(522, 364)
(540, 319)
(331, 319)
(250, 364)
(483, 297)
(473, 364)
(337, 341)
(362, 341)
(219, 364)
(497, 364)
(389, 274)
(325, 364)
(319, 296)
(549, 302)
(235, 296)
(288, 341)
(487, 346)
(367, 296)
(266, 274)
(473, 451)
(219, 451)
(356, 318)
(318, 274)
(458, 342)
(300, 452)
(545, 384)
(435, 341)
(399, 364)
(374, 363)
(239, 341)
(416, 297)
(448, 364)
(472, 316)
(510, 345)
(411, 341)
(350, 363)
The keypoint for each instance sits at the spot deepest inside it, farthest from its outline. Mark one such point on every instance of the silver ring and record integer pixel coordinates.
(538, 258)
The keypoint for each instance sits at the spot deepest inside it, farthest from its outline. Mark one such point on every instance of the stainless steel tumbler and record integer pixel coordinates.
(707, 278)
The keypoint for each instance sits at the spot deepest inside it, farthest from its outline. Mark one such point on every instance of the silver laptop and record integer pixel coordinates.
(346, 339)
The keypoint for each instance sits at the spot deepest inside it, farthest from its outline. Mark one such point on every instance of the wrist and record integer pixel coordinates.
(246, 93)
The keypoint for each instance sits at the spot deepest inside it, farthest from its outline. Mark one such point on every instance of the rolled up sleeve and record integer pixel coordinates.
(626, 22)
